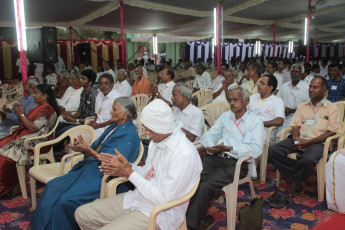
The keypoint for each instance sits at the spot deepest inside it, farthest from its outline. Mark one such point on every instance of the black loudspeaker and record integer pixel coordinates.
(84, 52)
(42, 45)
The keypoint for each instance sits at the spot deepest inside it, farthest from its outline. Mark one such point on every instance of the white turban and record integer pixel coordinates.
(158, 117)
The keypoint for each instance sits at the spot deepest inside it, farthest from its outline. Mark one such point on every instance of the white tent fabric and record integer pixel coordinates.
(243, 19)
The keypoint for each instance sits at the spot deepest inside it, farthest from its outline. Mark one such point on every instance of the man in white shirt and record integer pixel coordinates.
(108, 69)
(219, 79)
(185, 112)
(283, 71)
(172, 169)
(122, 86)
(269, 107)
(271, 69)
(237, 133)
(202, 79)
(164, 90)
(39, 71)
(222, 90)
(71, 99)
(293, 93)
(59, 65)
(104, 104)
(19, 68)
(242, 76)
(306, 76)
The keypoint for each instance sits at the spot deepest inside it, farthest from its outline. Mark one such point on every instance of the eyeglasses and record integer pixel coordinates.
(295, 71)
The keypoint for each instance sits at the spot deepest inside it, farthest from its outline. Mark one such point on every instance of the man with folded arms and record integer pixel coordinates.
(314, 121)
(172, 169)
(237, 133)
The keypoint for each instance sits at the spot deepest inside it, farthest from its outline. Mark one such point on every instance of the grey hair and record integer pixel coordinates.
(245, 92)
(77, 75)
(124, 71)
(183, 89)
(127, 104)
(32, 83)
(64, 73)
(299, 66)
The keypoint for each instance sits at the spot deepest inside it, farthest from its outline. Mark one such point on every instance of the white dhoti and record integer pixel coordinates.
(335, 183)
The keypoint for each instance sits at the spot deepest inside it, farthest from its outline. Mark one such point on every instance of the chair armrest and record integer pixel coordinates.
(13, 128)
(64, 161)
(283, 133)
(162, 207)
(27, 140)
(327, 145)
(88, 119)
(238, 168)
(38, 147)
(341, 142)
(268, 135)
(113, 184)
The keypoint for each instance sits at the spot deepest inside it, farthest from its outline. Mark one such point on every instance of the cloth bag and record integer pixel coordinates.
(250, 216)
(335, 183)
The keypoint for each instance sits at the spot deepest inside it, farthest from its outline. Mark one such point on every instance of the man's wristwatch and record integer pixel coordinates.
(157, 94)
(78, 121)
(23, 115)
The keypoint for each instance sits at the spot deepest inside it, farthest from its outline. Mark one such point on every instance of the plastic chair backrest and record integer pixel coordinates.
(213, 111)
(140, 100)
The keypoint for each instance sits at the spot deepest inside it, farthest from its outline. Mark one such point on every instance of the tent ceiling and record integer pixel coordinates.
(248, 19)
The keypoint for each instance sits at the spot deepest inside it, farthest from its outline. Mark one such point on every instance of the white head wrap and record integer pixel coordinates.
(158, 117)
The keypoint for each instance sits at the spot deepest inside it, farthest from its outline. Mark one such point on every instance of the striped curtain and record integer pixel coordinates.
(108, 50)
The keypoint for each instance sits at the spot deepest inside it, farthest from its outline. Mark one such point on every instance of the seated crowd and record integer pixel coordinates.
(285, 94)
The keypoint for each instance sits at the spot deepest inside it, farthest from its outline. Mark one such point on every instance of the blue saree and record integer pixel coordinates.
(63, 195)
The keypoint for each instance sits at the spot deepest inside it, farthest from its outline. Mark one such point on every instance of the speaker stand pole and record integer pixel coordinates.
(71, 45)
(123, 54)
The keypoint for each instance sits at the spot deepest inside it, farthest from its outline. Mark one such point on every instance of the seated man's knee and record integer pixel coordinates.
(81, 215)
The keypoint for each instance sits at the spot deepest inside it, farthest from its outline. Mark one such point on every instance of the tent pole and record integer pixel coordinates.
(123, 57)
(315, 43)
(274, 40)
(71, 45)
(308, 22)
(22, 53)
(218, 39)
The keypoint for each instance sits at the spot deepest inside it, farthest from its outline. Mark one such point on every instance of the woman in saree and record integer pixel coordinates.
(39, 121)
(63, 195)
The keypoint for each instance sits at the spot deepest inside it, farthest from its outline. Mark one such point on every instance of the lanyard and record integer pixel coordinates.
(108, 135)
(238, 126)
(259, 104)
(309, 131)
(315, 112)
(162, 89)
(70, 95)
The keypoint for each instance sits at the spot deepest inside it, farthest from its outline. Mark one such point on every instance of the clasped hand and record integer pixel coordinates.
(114, 165)
(18, 109)
(219, 148)
(302, 145)
(79, 145)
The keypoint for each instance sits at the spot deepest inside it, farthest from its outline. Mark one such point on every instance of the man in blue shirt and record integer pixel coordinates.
(9, 117)
(336, 84)
(237, 133)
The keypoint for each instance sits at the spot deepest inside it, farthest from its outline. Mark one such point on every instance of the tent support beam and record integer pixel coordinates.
(123, 55)
(308, 22)
(71, 45)
(218, 39)
(274, 40)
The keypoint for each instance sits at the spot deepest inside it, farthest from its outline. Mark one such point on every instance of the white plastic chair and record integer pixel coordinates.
(108, 188)
(213, 111)
(189, 84)
(264, 156)
(46, 156)
(231, 192)
(46, 172)
(204, 96)
(140, 100)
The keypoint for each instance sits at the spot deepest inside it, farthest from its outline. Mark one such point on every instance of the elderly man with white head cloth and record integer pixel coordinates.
(172, 169)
